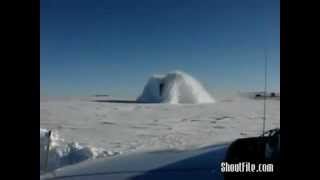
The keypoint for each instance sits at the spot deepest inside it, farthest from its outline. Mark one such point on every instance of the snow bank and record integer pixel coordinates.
(62, 153)
(174, 88)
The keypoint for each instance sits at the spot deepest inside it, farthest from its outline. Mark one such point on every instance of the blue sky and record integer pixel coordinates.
(114, 46)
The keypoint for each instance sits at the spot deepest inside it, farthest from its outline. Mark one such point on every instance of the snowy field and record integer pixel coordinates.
(120, 127)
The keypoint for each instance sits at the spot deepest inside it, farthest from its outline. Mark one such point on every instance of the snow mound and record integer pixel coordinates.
(61, 153)
(174, 88)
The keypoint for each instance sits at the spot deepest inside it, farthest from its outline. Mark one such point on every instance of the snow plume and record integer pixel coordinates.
(174, 88)
(61, 153)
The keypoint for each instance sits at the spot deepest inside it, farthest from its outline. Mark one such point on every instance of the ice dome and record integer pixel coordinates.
(175, 88)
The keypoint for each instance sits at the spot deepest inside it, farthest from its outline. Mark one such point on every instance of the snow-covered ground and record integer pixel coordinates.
(125, 126)
(62, 153)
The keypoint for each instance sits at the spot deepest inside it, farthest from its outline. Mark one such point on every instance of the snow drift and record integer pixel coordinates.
(175, 88)
(61, 153)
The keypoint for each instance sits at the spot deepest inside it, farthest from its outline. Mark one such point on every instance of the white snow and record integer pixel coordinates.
(134, 127)
(62, 153)
(174, 88)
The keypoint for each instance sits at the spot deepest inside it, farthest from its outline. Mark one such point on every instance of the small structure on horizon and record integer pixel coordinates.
(271, 95)
(101, 95)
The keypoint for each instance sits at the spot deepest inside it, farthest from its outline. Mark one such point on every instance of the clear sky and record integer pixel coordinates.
(113, 46)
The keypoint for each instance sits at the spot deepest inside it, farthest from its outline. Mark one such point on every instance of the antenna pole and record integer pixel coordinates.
(265, 92)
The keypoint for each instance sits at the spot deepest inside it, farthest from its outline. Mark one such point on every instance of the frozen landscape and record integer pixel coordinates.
(107, 126)
(116, 89)
(174, 111)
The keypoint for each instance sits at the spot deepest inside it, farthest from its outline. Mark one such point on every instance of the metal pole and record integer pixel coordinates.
(265, 92)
